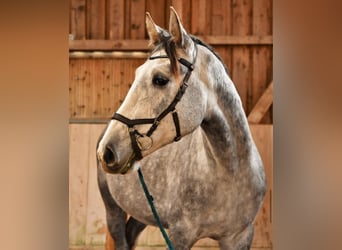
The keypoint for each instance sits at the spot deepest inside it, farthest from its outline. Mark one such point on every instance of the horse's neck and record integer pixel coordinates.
(227, 135)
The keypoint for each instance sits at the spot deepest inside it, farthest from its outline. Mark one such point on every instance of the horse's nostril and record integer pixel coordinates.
(109, 156)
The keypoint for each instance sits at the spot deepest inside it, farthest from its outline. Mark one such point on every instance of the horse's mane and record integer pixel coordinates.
(169, 46)
(211, 49)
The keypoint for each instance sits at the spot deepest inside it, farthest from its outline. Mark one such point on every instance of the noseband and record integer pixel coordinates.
(137, 138)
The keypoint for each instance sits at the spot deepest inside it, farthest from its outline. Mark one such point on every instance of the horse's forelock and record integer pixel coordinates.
(169, 46)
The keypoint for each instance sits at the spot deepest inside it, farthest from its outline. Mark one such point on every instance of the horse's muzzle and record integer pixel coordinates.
(109, 163)
(108, 160)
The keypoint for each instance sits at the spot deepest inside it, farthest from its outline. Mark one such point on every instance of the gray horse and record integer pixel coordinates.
(211, 182)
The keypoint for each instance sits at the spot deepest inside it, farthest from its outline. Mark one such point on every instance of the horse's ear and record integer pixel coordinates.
(176, 28)
(153, 30)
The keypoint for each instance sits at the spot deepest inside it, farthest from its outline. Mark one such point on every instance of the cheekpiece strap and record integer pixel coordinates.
(177, 127)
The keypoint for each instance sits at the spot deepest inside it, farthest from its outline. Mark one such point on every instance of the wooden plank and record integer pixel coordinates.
(88, 88)
(137, 29)
(242, 74)
(225, 52)
(221, 18)
(104, 45)
(262, 55)
(262, 75)
(82, 90)
(78, 85)
(221, 28)
(262, 105)
(123, 80)
(96, 218)
(262, 17)
(89, 120)
(108, 54)
(78, 78)
(127, 17)
(241, 14)
(158, 9)
(100, 73)
(242, 71)
(110, 89)
(96, 86)
(88, 226)
(184, 11)
(96, 19)
(198, 17)
(263, 137)
(208, 12)
(78, 180)
(72, 88)
(238, 40)
(78, 19)
(115, 19)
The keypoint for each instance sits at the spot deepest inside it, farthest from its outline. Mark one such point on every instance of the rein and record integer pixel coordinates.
(154, 210)
(139, 146)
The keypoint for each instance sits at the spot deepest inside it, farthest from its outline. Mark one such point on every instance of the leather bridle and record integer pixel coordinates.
(135, 135)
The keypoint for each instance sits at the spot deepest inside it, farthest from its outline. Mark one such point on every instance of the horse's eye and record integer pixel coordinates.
(160, 80)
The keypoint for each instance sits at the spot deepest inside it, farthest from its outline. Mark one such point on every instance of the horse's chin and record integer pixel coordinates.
(120, 169)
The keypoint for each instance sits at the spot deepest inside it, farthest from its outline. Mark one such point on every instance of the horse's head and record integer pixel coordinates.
(157, 110)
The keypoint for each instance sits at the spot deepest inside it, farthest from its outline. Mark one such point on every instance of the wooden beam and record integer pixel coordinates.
(108, 54)
(89, 120)
(142, 44)
(261, 106)
(105, 45)
(238, 40)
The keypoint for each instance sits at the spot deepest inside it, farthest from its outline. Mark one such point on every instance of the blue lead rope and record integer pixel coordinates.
(153, 209)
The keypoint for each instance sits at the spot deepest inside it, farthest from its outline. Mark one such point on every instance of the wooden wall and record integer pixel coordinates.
(239, 30)
(98, 86)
